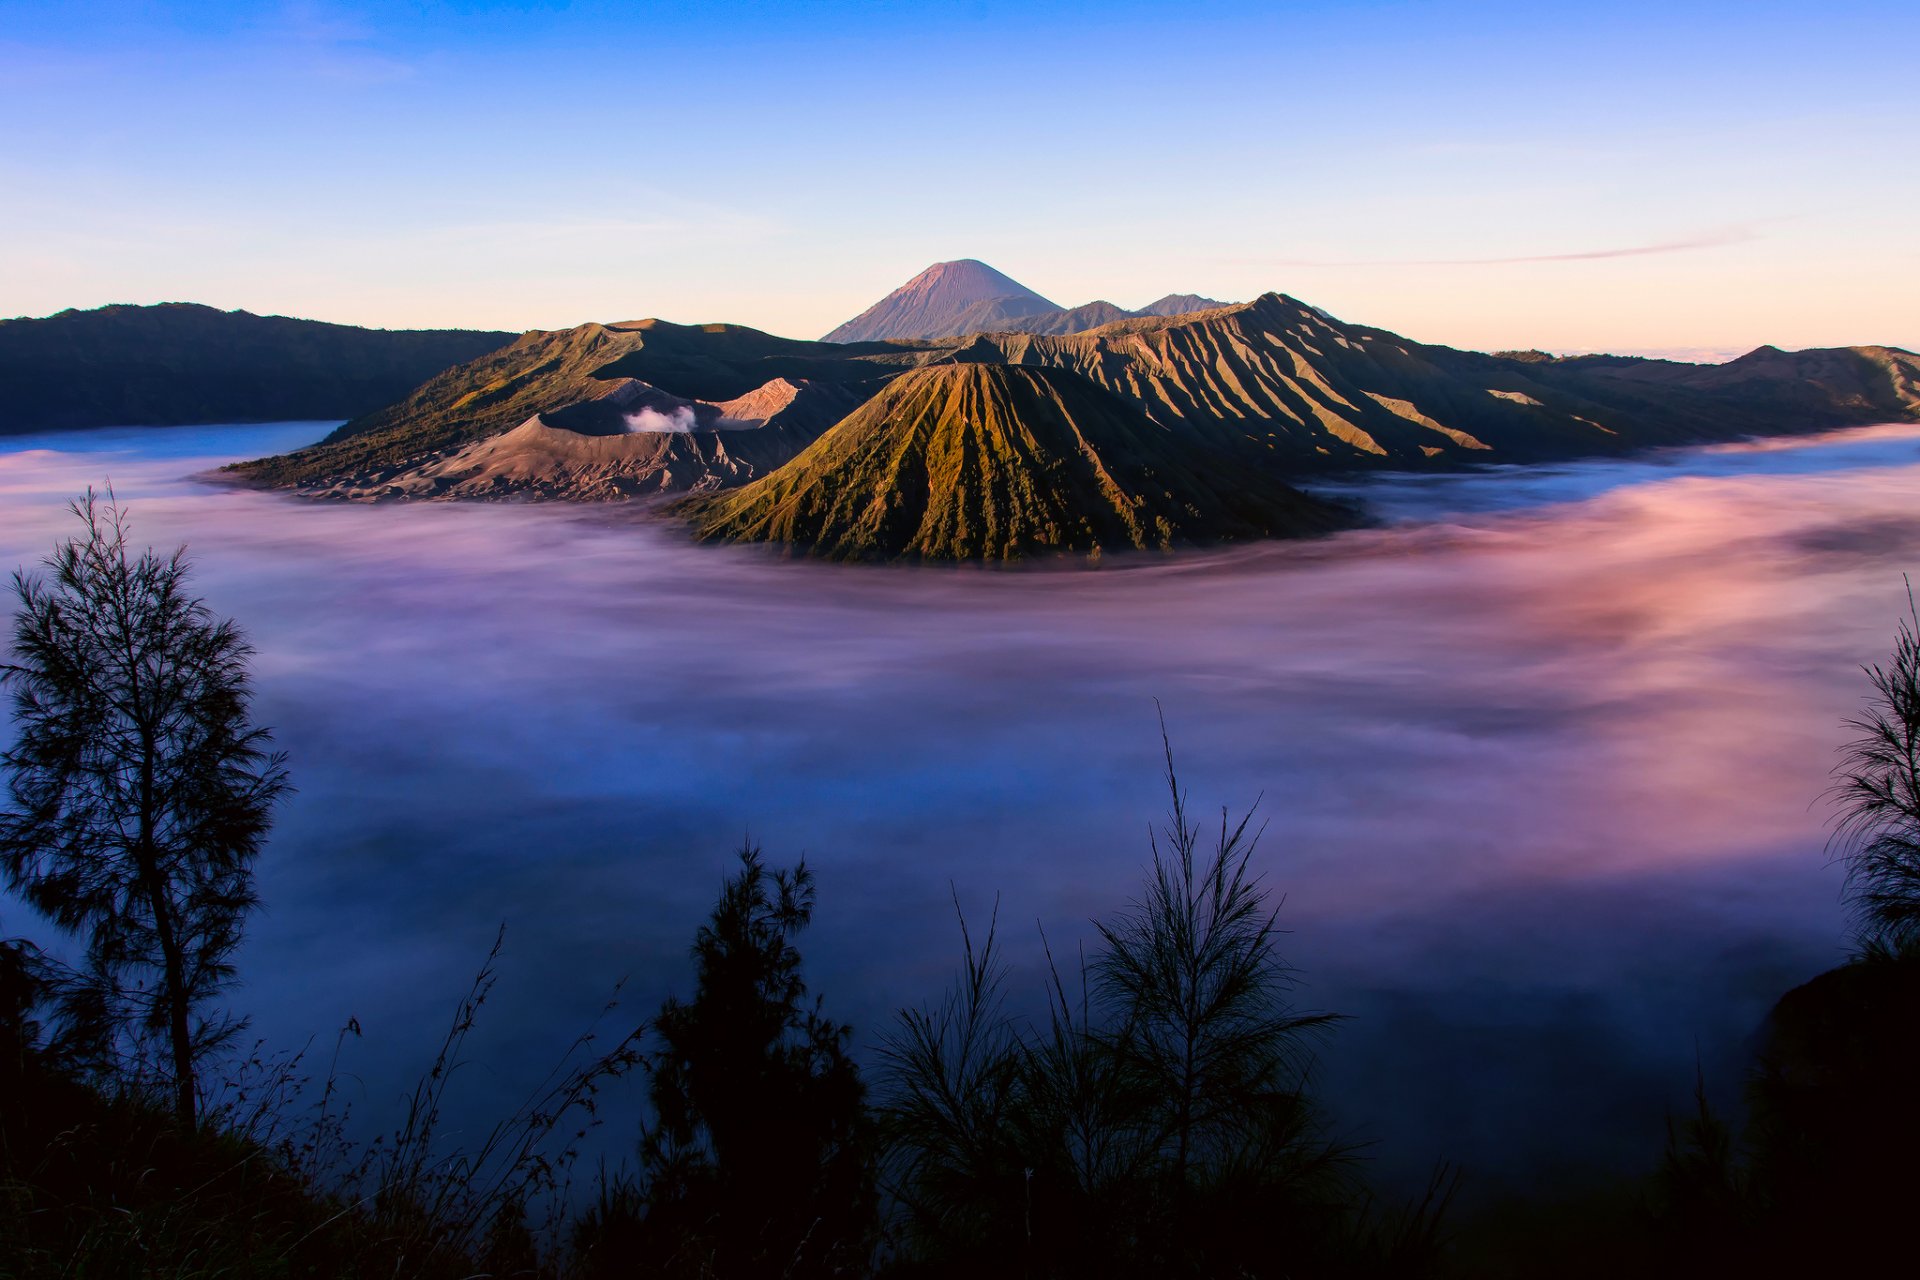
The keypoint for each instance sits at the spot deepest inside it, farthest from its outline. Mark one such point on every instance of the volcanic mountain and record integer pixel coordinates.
(632, 439)
(990, 462)
(964, 296)
(1272, 390)
(1316, 393)
(179, 362)
(587, 381)
(1309, 392)
(967, 296)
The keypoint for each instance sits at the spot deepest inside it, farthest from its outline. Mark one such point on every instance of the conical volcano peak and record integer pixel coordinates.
(962, 296)
(966, 280)
(952, 299)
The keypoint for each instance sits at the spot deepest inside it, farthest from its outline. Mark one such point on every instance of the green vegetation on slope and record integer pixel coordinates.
(974, 461)
(183, 363)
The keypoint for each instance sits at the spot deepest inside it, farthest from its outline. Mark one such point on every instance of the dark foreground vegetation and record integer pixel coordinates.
(1149, 1113)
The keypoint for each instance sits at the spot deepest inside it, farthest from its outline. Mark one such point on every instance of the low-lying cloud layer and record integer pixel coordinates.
(1539, 759)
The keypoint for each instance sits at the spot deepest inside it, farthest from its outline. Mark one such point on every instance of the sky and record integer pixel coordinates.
(1676, 177)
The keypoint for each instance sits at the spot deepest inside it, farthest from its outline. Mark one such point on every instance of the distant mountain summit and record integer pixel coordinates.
(950, 299)
(945, 299)
(1179, 304)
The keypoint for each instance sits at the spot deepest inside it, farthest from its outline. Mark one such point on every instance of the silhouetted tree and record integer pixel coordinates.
(1833, 1119)
(1878, 790)
(23, 988)
(758, 1163)
(1821, 1177)
(953, 1115)
(1198, 1004)
(1154, 1123)
(141, 789)
(1086, 1126)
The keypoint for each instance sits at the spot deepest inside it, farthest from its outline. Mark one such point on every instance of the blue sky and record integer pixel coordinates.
(1630, 176)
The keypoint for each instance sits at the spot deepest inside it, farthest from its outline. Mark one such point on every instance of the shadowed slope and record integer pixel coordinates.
(179, 362)
(1828, 385)
(970, 461)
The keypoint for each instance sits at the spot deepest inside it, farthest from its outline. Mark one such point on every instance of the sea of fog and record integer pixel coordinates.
(1540, 761)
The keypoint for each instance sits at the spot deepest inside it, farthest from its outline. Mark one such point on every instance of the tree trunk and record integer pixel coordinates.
(186, 1100)
(174, 968)
(173, 992)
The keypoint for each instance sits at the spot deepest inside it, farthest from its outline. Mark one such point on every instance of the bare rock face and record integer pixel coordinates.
(633, 441)
(764, 402)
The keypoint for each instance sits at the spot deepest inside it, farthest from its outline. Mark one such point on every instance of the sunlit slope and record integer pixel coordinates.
(1316, 393)
(987, 462)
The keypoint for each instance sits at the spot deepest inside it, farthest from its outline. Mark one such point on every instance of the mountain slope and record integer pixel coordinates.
(1319, 394)
(1853, 383)
(631, 441)
(1090, 315)
(964, 296)
(182, 363)
(547, 372)
(1275, 381)
(970, 461)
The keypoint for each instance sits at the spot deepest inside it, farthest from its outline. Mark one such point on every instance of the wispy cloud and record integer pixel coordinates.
(317, 23)
(1711, 240)
(334, 44)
